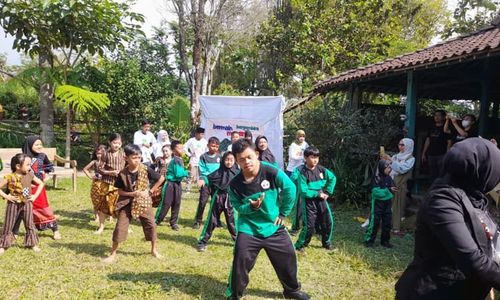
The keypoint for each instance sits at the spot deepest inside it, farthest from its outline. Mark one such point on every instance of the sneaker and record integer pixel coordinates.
(365, 224)
(369, 244)
(202, 247)
(296, 295)
(196, 225)
(175, 227)
(387, 245)
(328, 247)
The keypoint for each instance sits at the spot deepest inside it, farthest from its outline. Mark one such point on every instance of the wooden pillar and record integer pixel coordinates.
(354, 95)
(484, 107)
(411, 104)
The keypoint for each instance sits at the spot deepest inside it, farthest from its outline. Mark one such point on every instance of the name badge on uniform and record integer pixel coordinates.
(265, 184)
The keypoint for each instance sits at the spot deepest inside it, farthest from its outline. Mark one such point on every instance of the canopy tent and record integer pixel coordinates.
(220, 115)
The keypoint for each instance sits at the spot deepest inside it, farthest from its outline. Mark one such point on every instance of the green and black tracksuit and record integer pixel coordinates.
(381, 206)
(256, 228)
(312, 182)
(207, 164)
(172, 191)
(219, 184)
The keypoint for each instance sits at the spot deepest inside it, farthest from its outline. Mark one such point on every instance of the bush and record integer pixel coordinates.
(348, 140)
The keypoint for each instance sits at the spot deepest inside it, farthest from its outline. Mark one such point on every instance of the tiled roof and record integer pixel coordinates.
(483, 41)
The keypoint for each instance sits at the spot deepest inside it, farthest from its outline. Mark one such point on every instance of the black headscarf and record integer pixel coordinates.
(264, 155)
(28, 145)
(380, 179)
(222, 176)
(474, 166)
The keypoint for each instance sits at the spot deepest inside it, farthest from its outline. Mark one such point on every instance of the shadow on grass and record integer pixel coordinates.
(98, 250)
(77, 219)
(190, 240)
(196, 285)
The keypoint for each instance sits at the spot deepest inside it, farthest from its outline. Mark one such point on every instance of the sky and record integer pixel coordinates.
(153, 10)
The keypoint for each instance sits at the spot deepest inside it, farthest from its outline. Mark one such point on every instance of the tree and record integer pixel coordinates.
(470, 16)
(60, 32)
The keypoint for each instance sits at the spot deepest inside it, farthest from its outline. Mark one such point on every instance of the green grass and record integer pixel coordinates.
(71, 268)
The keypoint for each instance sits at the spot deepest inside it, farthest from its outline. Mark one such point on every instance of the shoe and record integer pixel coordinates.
(202, 247)
(369, 244)
(196, 225)
(365, 223)
(328, 247)
(175, 227)
(387, 245)
(296, 295)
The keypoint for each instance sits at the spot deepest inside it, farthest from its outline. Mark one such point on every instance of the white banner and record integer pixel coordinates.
(221, 115)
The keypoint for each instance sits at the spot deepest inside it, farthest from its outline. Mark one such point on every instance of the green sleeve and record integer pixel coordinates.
(331, 181)
(238, 205)
(176, 172)
(202, 167)
(288, 192)
(305, 192)
(295, 175)
(381, 193)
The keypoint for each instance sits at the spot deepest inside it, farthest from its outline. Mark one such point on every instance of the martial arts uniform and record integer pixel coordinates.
(207, 164)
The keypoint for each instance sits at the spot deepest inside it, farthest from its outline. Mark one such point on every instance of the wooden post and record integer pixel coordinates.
(484, 106)
(411, 104)
(354, 96)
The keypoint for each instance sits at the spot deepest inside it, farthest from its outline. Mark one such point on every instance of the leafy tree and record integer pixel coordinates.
(60, 32)
(471, 15)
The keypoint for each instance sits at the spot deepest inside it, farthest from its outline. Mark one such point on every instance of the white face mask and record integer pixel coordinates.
(465, 123)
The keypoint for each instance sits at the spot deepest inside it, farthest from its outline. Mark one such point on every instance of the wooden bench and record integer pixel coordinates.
(6, 155)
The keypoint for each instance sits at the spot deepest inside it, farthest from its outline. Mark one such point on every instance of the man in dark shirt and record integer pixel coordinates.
(436, 145)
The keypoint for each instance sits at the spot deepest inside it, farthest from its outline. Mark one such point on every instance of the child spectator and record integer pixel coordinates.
(209, 162)
(172, 195)
(381, 204)
(145, 139)
(219, 182)
(265, 153)
(162, 139)
(135, 201)
(20, 202)
(315, 184)
(95, 164)
(194, 148)
(235, 135)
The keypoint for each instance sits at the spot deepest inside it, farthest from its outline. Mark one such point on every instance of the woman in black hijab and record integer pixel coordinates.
(264, 153)
(219, 183)
(454, 256)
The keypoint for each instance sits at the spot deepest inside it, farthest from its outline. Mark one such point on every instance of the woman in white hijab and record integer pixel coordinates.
(162, 139)
(402, 164)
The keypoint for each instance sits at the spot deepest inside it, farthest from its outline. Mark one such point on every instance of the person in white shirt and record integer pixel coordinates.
(235, 135)
(145, 139)
(296, 151)
(194, 148)
(162, 139)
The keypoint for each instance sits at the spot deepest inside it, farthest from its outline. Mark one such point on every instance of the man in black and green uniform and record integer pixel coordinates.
(315, 184)
(209, 163)
(254, 194)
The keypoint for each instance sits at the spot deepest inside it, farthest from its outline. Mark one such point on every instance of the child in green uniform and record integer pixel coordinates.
(381, 206)
(208, 163)
(255, 194)
(315, 184)
(172, 191)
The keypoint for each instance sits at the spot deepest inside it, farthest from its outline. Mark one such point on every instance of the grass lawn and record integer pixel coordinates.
(71, 268)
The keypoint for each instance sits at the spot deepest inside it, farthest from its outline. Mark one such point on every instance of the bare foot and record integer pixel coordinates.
(109, 259)
(130, 230)
(36, 249)
(2, 251)
(57, 235)
(15, 236)
(99, 231)
(156, 254)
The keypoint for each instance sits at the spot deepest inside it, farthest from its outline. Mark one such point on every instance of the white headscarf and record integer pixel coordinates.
(408, 152)
(159, 135)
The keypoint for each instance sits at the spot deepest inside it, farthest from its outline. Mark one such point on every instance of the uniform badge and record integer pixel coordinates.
(321, 175)
(218, 159)
(265, 184)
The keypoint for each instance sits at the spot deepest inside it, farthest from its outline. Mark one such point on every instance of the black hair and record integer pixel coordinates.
(199, 130)
(132, 149)
(114, 136)
(165, 146)
(473, 118)
(213, 140)
(18, 159)
(226, 154)
(235, 132)
(98, 148)
(442, 112)
(145, 122)
(248, 134)
(311, 151)
(241, 145)
(174, 144)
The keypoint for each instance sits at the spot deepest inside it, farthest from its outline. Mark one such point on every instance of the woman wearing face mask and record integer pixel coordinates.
(465, 129)
(455, 255)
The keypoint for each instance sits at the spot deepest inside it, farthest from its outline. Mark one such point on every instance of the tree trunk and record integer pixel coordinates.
(46, 95)
(198, 15)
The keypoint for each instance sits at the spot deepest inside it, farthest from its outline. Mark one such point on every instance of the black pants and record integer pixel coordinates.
(298, 214)
(171, 198)
(317, 214)
(220, 204)
(202, 202)
(281, 253)
(435, 165)
(382, 215)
